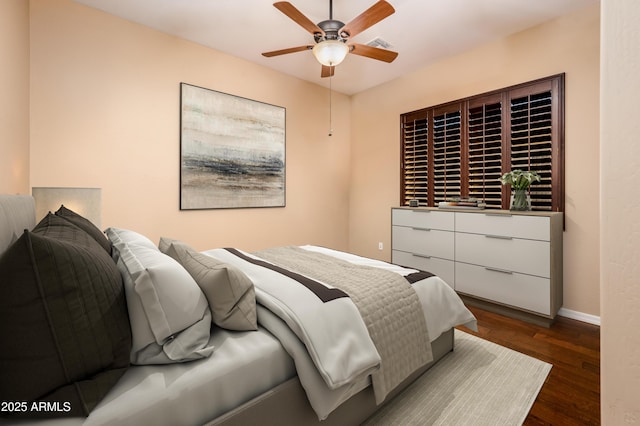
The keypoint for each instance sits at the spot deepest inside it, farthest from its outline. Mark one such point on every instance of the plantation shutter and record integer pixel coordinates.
(460, 149)
(485, 150)
(531, 114)
(415, 128)
(447, 146)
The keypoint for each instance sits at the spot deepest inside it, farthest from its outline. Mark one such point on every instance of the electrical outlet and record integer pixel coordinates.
(380, 245)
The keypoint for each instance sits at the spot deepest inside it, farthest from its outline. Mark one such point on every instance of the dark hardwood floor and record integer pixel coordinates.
(571, 394)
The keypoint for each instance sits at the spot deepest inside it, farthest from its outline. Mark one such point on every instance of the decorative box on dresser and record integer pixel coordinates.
(509, 262)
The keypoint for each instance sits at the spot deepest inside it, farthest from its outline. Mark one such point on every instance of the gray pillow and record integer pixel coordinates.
(229, 291)
(169, 315)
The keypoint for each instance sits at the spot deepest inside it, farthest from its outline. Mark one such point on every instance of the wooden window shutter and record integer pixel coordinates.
(447, 153)
(414, 167)
(485, 153)
(534, 125)
(462, 148)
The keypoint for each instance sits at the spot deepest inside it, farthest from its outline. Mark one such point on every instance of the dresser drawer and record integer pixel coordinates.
(513, 259)
(511, 254)
(517, 290)
(440, 267)
(424, 241)
(423, 219)
(528, 227)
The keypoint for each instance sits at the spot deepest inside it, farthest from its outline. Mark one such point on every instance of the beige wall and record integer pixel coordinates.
(620, 212)
(105, 113)
(569, 45)
(14, 102)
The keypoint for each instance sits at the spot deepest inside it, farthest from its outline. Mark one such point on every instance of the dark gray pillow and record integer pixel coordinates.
(64, 329)
(86, 225)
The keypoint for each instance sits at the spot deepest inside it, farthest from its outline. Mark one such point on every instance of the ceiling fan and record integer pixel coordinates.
(332, 36)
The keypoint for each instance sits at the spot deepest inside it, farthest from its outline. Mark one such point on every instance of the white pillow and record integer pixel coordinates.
(120, 236)
(169, 314)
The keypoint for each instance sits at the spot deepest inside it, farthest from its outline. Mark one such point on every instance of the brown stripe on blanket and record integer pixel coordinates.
(418, 276)
(326, 294)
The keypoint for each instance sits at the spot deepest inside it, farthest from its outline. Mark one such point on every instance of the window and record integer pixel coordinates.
(462, 148)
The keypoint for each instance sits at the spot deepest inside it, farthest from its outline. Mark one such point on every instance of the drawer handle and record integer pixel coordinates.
(502, 271)
(424, 256)
(498, 214)
(499, 237)
(415, 228)
(421, 211)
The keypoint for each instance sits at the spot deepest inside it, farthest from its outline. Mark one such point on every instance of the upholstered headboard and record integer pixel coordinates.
(17, 213)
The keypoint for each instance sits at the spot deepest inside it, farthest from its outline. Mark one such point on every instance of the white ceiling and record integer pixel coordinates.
(422, 31)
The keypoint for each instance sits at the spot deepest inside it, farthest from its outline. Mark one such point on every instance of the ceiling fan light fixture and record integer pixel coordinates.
(330, 52)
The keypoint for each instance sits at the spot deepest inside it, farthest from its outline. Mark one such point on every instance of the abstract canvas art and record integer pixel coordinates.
(232, 151)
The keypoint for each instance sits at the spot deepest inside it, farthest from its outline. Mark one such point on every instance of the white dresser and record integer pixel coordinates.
(507, 261)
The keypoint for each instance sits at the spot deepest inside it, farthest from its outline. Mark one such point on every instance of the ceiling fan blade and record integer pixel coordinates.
(369, 17)
(297, 16)
(327, 71)
(373, 52)
(285, 51)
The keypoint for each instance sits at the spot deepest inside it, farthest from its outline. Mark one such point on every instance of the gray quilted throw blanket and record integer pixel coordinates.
(386, 301)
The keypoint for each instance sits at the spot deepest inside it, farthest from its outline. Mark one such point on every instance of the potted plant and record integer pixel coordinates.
(520, 181)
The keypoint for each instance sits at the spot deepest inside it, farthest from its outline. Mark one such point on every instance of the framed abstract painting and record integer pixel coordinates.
(232, 151)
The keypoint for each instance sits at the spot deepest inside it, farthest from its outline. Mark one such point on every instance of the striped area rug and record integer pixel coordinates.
(479, 383)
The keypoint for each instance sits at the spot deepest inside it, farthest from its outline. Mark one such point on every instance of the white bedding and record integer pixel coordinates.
(333, 331)
(244, 365)
(319, 354)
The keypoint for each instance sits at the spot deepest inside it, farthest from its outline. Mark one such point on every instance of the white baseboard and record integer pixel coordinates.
(580, 316)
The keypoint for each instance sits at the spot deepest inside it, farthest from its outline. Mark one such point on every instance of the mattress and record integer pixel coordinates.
(244, 365)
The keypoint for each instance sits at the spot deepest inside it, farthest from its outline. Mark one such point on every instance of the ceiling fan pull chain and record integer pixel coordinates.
(330, 111)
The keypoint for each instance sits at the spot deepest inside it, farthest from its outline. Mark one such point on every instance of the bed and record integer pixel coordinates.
(278, 345)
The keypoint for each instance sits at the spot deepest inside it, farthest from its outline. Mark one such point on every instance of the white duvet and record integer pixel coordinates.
(330, 344)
